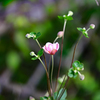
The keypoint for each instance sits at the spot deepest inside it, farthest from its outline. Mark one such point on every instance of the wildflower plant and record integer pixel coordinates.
(59, 93)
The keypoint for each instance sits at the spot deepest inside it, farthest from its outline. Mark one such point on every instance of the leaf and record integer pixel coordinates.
(35, 58)
(72, 74)
(33, 35)
(45, 98)
(55, 95)
(65, 17)
(68, 18)
(81, 66)
(38, 35)
(64, 95)
(85, 34)
(76, 64)
(83, 30)
(60, 17)
(40, 53)
(80, 29)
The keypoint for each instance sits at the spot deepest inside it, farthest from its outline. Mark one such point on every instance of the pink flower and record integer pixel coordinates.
(51, 48)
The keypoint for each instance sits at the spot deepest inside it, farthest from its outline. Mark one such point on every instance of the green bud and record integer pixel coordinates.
(92, 26)
(28, 36)
(32, 53)
(70, 13)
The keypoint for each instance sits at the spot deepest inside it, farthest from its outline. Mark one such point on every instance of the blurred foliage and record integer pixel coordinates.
(18, 18)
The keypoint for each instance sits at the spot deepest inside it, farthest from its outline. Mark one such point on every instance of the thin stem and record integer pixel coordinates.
(55, 39)
(43, 65)
(48, 80)
(87, 29)
(70, 66)
(38, 43)
(49, 65)
(52, 72)
(65, 21)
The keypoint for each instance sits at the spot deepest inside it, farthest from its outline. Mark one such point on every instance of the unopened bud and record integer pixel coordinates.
(82, 77)
(28, 36)
(64, 15)
(70, 13)
(32, 53)
(60, 34)
(82, 69)
(31, 98)
(84, 28)
(75, 71)
(92, 26)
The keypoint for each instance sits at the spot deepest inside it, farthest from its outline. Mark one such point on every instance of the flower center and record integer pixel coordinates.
(53, 51)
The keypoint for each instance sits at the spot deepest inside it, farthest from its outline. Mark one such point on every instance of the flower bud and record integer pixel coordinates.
(82, 77)
(82, 69)
(70, 13)
(32, 53)
(64, 15)
(60, 34)
(84, 29)
(75, 71)
(28, 36)
(92, 26)
(31, 98)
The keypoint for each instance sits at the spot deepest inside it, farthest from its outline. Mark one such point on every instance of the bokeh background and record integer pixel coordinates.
(19, 76)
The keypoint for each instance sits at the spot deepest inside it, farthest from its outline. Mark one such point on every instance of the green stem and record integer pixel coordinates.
(65, 21)
(48, 80)
(49, 90)
(38, 43)
(55, 39)
(70, 67)
(52, 72)
(87, 29)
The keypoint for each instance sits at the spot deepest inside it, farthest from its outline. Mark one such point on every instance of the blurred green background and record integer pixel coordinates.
(19, 76)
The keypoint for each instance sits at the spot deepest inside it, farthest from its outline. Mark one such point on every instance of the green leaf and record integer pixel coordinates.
(76, 64)
(85, 34)
(64, 95)
(33, 35)
(68, 18)
(55, 95)
(38, 35)
(40, 53)
(65, 17)
(81, 66)
(80, 29)
(60, 17)
(45, 98)
(83, 30)
(34, 58)
(71, 73)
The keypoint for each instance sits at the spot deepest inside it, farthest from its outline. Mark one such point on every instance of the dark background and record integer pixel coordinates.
(19, 76)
